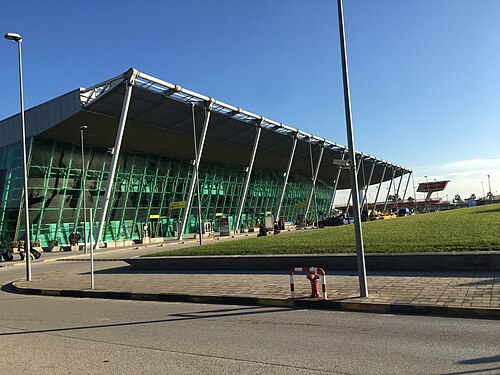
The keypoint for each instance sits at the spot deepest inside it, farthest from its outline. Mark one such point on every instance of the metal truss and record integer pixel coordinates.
(189, 97)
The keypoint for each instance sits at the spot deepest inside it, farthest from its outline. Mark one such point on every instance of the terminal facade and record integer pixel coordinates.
(148, 148)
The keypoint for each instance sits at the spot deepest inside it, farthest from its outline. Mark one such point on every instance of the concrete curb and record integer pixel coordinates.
(337, 305)
(446, 261)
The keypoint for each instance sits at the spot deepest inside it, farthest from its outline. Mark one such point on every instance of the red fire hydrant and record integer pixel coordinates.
(313, 277)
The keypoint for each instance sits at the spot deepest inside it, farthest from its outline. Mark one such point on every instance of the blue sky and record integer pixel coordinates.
(424, 74)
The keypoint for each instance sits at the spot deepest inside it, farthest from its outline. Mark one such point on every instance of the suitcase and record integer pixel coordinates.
(36, 253)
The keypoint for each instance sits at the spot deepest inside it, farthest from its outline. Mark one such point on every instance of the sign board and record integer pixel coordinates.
(218, 214)
(154, 216)
(299, 205)
(177, 204)
(427, 187)
(224, 226)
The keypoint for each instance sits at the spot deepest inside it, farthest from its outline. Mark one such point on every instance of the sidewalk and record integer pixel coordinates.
(434, 293)
(466, 294)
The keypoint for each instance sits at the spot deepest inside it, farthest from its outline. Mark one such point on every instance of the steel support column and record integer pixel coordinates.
(357, 175)
(339, 172)
(114, 160)
(406, 187)
(397, 192)
(197, 176)
(389, 189)
(313, 188)
(365, 197)
(378, 190)
(287, 173)
(247, 179)
(196, 166)
(414, 192)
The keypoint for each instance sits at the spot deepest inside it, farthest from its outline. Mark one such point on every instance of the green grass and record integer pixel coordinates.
(466, 229)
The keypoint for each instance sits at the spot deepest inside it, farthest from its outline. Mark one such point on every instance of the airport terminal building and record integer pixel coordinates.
(151, 149)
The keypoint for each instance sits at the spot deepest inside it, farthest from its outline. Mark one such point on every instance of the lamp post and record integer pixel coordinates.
(82, 130)
(17, 38)
(427, 194)
(363, 286)
(435, 188)
(489, 187)
(482, 187)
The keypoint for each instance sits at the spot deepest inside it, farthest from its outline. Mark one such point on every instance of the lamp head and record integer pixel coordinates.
(83, 127)
(13, 36)
(342, 163)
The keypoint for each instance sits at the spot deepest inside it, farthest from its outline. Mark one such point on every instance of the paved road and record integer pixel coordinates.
(92, 336)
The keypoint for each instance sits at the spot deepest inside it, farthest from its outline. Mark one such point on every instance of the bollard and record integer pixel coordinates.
(313, 277)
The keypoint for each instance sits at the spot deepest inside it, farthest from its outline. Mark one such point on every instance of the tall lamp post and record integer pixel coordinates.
(363, 286)
(82, 130)
(27, 245)
(489, 187)
(427, 193)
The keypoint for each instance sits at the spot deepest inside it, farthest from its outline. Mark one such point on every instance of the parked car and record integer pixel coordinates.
(331, 221)
(404, 212)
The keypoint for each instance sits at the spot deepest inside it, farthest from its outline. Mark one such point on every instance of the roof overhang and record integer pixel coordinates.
(160, 121)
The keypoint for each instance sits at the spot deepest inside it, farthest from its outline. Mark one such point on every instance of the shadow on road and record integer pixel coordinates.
(478, 361)
(237, 311)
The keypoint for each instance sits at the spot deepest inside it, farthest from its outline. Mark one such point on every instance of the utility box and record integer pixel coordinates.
(269, 222)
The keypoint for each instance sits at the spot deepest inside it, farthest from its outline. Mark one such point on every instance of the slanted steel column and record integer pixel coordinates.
(397, 192)
(287, 173)
(114, 159)
(414, 192)
(378, 190)
(339, 171)
(196, 167)
(406, 187)
(247, 179)
(197, 175)
(357, 175)
(365, 198)
(389, 190)
(315, 176)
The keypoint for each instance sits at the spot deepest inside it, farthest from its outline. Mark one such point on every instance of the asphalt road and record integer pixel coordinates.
(57, 335)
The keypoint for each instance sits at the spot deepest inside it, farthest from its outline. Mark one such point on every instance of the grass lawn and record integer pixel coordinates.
(466, 229)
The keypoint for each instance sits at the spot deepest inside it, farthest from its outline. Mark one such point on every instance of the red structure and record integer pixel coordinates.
(431, 187)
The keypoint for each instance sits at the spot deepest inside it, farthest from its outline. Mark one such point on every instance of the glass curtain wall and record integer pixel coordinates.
(148, 190)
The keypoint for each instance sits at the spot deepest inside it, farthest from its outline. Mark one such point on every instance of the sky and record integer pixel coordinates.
(424, 74)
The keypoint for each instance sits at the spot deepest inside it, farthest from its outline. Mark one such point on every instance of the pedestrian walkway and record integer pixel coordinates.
(475, 294)
(440, 293)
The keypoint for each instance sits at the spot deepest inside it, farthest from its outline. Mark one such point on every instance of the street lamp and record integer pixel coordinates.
(82, 130)
(435, 187)
(489, 187)
(27, 244)
(363, 285)
(427, 187)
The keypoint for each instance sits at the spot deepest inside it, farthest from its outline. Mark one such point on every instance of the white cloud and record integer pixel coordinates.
(466, 176)
(468, 165)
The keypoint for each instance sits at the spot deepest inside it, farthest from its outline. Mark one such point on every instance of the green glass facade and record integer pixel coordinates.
(148, 189)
